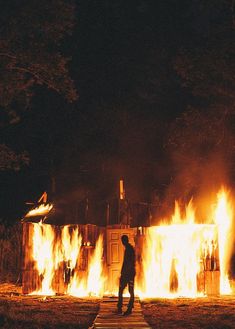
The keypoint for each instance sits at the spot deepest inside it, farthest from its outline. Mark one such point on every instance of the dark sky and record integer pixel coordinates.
(122, 61)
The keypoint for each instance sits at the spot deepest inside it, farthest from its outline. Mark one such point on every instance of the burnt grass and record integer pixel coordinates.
(185, 313)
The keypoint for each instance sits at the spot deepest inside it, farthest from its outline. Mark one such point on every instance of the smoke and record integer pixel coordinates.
(200, 149)
(199, 179)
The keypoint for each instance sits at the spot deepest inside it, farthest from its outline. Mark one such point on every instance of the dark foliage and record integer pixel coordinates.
(30, 35)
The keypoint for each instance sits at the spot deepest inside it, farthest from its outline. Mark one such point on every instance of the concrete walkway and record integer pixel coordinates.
(108, 319)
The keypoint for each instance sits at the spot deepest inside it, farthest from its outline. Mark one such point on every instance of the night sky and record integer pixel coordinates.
(130, 93)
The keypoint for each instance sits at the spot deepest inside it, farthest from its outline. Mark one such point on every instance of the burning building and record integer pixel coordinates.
(178, 257)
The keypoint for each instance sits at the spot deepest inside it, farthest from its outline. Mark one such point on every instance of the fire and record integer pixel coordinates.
(223, 218)
(43, 209)
(176, 254)
(71, 244)
(58, 252)
(93, 283)
(43, 241)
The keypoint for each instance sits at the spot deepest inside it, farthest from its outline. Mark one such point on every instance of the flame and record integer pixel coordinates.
(52, 252)
(223, 219)
(93, 284)
(175, 253)
(95, 281)
(173, 259)
(43, 209)
(71, 244)
(43, 241)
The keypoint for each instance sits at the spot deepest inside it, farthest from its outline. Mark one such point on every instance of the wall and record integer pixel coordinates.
(10, 253)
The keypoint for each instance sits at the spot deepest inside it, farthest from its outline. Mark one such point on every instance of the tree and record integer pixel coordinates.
(9, 160)
(32, 33)
(206, 66)
(201, 142)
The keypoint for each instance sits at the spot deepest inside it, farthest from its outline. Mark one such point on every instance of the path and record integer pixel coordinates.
(107, 319)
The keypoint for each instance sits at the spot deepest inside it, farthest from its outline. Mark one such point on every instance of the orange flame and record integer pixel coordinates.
(93, 283)
(43, 241)
(49, 253)
(176, 253)
(223, 219)
(43, 209)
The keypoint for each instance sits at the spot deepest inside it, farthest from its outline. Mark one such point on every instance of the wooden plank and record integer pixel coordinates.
(127, 323)
(121, 326)
(212, 283)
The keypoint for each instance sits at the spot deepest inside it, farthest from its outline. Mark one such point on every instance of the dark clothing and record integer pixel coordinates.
(122, 285)
(128, 266)
(127, 276)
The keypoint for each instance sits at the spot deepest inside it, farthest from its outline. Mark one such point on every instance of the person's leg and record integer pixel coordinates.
(122, 285)
(132, 297)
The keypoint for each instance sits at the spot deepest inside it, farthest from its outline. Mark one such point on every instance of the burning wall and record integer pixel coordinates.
(180, 258)
(66, 259)
(184, 258)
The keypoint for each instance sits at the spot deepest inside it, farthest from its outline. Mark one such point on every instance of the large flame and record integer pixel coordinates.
(92, 284)
(95, 281)
(176, 253)
(60, 252)
(43, 244)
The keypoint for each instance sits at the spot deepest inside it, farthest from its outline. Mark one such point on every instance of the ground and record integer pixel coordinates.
(182, 313)
(19, 311)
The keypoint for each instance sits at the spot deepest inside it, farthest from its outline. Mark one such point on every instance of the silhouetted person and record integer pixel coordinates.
(127, 276)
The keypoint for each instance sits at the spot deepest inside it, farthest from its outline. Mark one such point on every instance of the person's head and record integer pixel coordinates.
(124, 239)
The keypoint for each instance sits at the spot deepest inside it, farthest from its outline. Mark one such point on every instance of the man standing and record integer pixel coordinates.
(127, 276)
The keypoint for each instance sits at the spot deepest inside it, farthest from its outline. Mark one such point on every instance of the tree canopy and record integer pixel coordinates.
(32, 54)
(31, 33)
